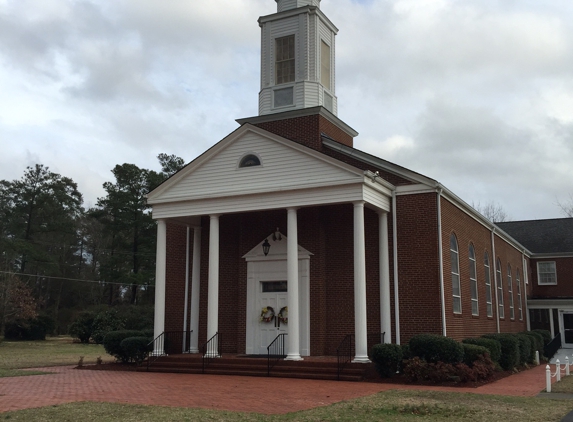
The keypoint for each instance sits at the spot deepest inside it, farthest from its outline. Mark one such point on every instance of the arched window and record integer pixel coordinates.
(500, 308)
(473, 280)
(518, 283)
(510, 291)
(456, 288)
(488, 285)
(250, 160)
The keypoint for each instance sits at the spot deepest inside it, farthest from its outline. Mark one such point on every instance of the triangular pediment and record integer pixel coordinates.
(284, 165)
(277, 249)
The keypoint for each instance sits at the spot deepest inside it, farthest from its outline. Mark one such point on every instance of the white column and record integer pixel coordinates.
(160, 267)
(186, 305)
(385, 311)
(292, 287)
(360, 285)
(195, 289)
(551, 323)
(213, 296)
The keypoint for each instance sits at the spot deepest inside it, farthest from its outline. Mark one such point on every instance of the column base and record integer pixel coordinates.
(158, 352)
(293, 357)
(361, 359)
(193, 350)
(212, 355)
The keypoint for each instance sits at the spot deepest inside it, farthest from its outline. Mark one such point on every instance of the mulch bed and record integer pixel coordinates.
(111, 366)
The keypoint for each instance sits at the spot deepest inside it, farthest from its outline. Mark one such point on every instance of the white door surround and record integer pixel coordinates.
(566, 328)
(273, 267)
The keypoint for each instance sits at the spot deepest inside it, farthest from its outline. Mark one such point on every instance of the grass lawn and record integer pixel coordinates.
(388, 406)
(563, 386)
(54, 351)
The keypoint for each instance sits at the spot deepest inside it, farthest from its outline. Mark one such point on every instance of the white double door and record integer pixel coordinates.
(268, 331)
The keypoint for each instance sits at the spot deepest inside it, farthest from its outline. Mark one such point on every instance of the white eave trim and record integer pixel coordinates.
(549, 303)
(551, 255)
(295, 12)
(379, 163)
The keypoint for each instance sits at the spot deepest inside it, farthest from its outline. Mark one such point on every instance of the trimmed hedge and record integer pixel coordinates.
(472, 353)
(526, 349)
(509, 349)
(539, 342)
(112, 343)
(546, 334)
(435, 348)
(136, 349)
(387, 358)
(492, 345)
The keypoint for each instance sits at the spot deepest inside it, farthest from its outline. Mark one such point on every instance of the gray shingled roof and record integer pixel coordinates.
(542, 236)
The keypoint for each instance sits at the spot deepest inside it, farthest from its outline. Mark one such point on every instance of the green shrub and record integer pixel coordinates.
(509, 350)
(417, 370)
(82, 327)
(472, 352)
(135, 349)
(137, 317)
(492, 345)
(387, 358)
(105, 322)
(526, 348)
(546, 334)
(31, 329)
(149, 333)
(435, 348)
(406, 354)
(112, 343)
(539, 343)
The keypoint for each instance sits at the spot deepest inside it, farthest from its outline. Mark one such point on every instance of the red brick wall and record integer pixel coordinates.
(468, 230)
(175, 277)
(307, 130)
(418, 270)
(564, 286)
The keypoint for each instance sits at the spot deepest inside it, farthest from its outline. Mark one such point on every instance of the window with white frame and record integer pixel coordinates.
(546, 272)
(510, 291)
(325, 64)
(499, 278)
(488, 285)
(456, 288)
(284, 60)
(473, 280)
(519, 304)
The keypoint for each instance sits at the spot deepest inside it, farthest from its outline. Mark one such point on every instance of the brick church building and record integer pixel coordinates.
(283, 227)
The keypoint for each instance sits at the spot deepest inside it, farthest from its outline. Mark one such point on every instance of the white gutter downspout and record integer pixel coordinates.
(524, 295)
(186, 294)
(441, 260)
(494, 266)
(395, 259)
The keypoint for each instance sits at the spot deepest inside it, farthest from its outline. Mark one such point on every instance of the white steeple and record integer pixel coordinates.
(297, 58)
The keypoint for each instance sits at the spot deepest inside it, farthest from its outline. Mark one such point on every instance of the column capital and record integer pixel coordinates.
(292, 209)
(359, 204)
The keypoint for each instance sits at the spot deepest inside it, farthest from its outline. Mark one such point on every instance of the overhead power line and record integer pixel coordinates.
(72, 279)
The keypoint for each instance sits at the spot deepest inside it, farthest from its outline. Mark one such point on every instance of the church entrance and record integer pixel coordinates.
(267, 291)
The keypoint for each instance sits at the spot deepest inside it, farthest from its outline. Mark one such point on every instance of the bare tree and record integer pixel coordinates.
(492, 211)
(567, 206)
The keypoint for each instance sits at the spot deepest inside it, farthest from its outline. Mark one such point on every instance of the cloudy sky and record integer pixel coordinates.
(477, 94)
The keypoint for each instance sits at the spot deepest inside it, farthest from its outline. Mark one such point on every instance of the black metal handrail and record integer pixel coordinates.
(553, 346)
(168, 343)
(211, 349)
(275, 351)
(344, 353)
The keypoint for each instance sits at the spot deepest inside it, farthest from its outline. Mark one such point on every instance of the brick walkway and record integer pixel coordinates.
(246, 394)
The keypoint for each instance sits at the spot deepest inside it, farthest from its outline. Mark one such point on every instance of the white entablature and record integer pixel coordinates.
(297, 58)
(283, 5)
